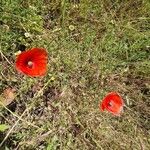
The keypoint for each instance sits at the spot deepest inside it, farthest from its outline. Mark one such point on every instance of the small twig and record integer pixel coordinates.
(141, 144)
(36, 140)
(12, 128)
(5, 58)
(20, 118)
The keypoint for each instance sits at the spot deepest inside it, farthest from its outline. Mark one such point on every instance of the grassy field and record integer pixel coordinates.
(94, 46)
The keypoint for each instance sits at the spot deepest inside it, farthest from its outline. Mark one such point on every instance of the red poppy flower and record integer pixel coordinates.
(32, 62)
(112, 103)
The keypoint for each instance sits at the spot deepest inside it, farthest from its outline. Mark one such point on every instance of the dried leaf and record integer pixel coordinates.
(8, 96)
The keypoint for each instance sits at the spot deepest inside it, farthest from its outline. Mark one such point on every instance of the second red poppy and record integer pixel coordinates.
(112, 103)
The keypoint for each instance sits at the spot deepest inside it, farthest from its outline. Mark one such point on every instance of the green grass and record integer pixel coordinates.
(108, 49)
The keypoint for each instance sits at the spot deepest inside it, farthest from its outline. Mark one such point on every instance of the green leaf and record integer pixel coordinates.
(53, 144)
(3, 127)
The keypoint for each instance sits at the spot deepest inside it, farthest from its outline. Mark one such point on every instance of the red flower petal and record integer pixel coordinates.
(112, 103)
(32, 62)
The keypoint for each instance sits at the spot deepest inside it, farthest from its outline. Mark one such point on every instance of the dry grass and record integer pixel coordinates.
(94, 47)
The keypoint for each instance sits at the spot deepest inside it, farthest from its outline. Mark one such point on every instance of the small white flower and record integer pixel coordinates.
(17, 53)
(71, 27)
(27, 34)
